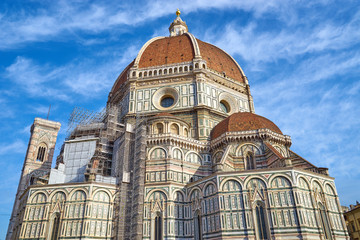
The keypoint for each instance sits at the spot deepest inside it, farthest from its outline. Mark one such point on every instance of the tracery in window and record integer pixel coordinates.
(55, 225)
(41, 153)
(324, 222)
(260, 220)
(197, 226)
(158, 226)
(158, 153)
(250, 163)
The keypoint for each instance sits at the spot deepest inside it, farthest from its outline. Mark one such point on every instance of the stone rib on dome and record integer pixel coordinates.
(122, 78)
(243, 121)
(219, 61)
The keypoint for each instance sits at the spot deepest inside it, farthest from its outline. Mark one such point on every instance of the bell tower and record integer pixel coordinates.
(37, 164)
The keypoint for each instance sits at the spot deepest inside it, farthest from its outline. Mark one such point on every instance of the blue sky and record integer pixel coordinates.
(302, 59)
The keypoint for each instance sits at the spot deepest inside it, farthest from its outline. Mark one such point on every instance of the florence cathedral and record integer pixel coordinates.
(179, 154)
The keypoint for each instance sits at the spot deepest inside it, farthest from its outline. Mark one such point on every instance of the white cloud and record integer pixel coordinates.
(87, 77)
(257, 45)
(34, 79)
(57, 20)
(17, 146)
(315, 106)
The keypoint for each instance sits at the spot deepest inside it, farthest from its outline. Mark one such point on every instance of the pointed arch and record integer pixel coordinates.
(324, 221)
(262, 229)
(41, 154)
(250, 162)
(158, 226)
(55, 222)
(197, 225)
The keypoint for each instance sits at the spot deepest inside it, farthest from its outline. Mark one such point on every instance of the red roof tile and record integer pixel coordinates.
(243, 121)
(167, 51)
(219, 61)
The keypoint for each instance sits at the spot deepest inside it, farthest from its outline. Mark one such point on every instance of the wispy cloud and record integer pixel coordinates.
(61, 20)
(17, 146)
(256, 44)
(86, 77)
(34, 79)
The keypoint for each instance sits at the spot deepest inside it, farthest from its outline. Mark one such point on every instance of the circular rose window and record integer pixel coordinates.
(165, 98)
(167, 101)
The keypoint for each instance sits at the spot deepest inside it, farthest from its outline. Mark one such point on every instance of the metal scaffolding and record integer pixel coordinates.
(82, 116)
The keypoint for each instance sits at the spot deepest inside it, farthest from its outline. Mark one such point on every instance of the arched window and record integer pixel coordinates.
(260, 221)
(196, 65)
(55, 225)
(185, 68)
(250, 164)
(186, 132)
(174, 129)
(41, 153)
(193, 157)
(158, 153)
(159, 129)
(177, 154)
(324, 222)
(197, 225)
(158, 226)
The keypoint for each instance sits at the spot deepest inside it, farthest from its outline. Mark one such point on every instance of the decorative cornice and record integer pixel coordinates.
(178, 140)
(263, 134)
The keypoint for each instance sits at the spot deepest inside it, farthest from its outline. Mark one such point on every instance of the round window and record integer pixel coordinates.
(224, 106)
(167, 101)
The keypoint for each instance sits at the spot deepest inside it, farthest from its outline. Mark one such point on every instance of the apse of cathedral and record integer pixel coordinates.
(179, 154)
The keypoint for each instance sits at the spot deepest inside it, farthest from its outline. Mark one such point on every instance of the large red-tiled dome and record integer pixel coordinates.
(183, 48)
(243, 121)
(178, 49)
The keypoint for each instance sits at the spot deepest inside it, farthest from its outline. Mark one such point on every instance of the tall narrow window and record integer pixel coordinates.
(159, 128)
(41, 154)
(324, 222)
(55, 226)
(250, 161)
(174, 129)
(197, 226)
(158, 227)
(261, 228)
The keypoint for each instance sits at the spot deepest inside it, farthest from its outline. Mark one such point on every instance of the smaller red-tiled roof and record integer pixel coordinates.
(272, 149)
(243, 121)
